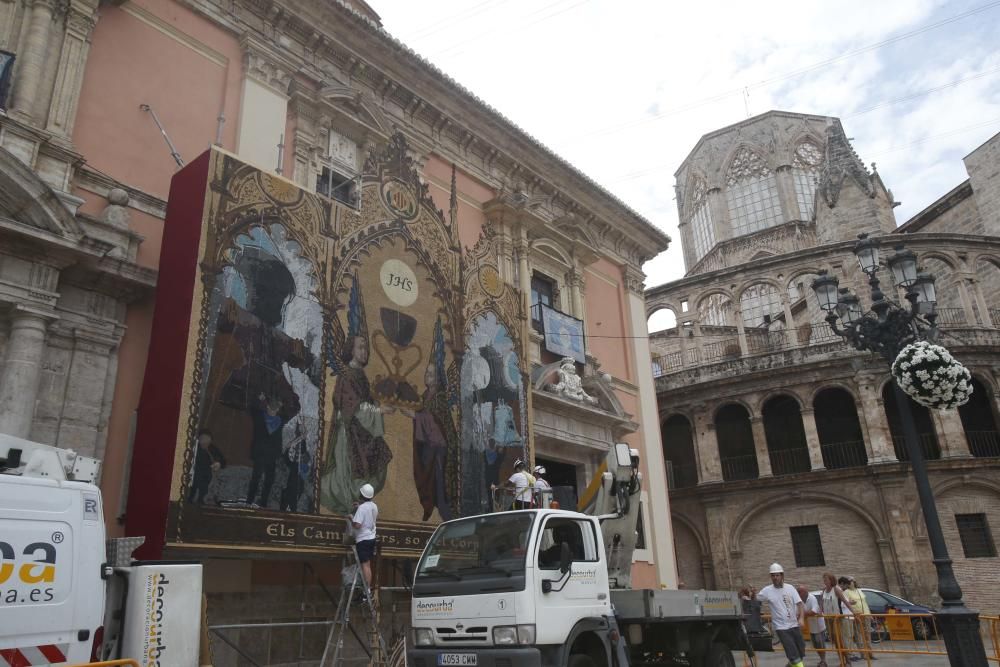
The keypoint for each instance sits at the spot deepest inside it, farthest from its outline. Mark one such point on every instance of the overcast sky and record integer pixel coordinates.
(624, 89)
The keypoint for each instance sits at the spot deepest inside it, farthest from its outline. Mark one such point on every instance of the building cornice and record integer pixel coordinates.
(332, 38)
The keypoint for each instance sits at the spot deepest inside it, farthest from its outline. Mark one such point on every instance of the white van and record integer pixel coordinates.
(52, 556)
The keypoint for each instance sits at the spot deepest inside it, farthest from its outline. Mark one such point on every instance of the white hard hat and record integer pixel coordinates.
(540, 470)
(777, 569)
(368, 491)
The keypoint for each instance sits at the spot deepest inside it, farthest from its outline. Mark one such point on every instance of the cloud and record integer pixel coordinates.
(624, 90)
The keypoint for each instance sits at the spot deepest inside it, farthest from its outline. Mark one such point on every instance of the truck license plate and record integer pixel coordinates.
(464, 659)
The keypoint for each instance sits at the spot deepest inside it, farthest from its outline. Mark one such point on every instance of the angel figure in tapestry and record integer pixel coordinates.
(356, 451)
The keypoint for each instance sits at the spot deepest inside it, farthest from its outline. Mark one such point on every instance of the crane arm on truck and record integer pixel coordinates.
(33, 459)
(613, 497)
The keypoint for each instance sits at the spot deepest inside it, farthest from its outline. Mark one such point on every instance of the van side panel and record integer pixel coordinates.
(51, 553)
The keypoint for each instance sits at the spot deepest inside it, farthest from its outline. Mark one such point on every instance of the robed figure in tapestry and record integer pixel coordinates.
(261, 366)
(436, 447)
(356, 452)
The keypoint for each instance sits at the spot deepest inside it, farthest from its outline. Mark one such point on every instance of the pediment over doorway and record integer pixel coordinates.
(26, 199)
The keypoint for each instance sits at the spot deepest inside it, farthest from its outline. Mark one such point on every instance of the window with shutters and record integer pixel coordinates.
(807, 546)
(977, 541)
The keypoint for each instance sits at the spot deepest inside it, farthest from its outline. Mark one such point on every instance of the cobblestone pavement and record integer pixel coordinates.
(777, 659)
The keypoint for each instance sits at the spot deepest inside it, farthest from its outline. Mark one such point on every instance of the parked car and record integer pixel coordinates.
(881, 602)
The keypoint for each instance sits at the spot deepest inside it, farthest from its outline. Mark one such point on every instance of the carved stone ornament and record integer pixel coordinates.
(746, 165)
(570, 385)
(264, 70)
(807, 157)
(634, 280)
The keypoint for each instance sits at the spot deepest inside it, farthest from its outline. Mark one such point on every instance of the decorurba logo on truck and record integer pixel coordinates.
(156, 593)
(41, 570)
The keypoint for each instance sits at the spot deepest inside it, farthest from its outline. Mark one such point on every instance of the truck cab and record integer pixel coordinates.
(513, 588)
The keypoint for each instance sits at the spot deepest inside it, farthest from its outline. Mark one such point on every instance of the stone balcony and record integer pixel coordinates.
(724, 353)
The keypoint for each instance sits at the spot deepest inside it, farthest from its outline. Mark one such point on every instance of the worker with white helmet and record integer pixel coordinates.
(363, 522)
(543, 490)
(787, 612)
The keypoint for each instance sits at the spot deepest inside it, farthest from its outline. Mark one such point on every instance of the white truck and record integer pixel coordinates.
(550, 588)
(68, 595)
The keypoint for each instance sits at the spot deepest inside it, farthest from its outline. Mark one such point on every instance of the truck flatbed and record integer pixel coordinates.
(672, 606)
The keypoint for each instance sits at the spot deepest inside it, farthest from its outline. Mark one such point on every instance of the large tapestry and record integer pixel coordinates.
(322, 347)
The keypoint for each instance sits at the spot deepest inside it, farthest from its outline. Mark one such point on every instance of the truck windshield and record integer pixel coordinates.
(476, 555)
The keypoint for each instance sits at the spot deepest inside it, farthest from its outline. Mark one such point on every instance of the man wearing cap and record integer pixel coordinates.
(363, 522)
(786, 615)
(542, 488)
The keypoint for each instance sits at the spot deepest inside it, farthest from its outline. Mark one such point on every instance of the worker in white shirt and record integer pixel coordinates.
(543, 490)
(523, 484)
(363, 522)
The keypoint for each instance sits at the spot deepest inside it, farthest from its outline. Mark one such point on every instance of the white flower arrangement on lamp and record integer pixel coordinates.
(931, 376)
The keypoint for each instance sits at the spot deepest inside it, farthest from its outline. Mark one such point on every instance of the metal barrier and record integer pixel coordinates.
(989, 627)
(127, 662)
(853, 639)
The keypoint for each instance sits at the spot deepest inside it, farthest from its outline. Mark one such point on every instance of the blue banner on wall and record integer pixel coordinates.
(563, 334)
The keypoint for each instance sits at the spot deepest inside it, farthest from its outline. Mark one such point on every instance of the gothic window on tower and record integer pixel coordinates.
(805, 171)
(751, 194)
(702, 231)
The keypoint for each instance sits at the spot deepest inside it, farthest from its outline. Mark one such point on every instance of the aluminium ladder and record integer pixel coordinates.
(342, 618)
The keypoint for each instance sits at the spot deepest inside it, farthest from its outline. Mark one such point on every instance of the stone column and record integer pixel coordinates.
(878, 444)
(984, 311)
(575, 280)
(740, 330)
(786, 192)
(8, 40)
(699, 343)
(86, 380)
(971, 316)
(760, 447)
(950, 434)
(80, 22)
(707, 444)
(812, 439)
(523, 270)
(792, 336)
(648, 418)
(21, 371)
(720, 215)
(32, 67)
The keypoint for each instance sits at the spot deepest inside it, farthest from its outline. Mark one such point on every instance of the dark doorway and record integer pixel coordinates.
(840, 435)
(562, 478)
(678, 452)
(921, 417)
(979, 422)
(786, 438)
(736, 451)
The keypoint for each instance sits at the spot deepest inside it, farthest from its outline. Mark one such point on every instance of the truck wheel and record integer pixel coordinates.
(719, 655)
(581, 660)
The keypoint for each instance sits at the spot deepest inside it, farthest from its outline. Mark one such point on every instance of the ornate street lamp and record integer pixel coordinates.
(886, 329)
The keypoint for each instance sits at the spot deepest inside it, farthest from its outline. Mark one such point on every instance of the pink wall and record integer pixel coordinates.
(607, 320)
(132, 62)
(470, 217)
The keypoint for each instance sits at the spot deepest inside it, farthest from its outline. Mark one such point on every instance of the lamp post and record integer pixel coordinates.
(886, 329)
